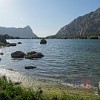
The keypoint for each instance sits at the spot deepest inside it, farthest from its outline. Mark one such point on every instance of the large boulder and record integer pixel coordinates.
(34, 54)
(18, 54)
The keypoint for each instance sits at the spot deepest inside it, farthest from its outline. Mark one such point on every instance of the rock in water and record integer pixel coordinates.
(1, 53)
(11, 44)
(19, 43)
(18, 54)
(43, 41)
(30, 67)
(33, 54)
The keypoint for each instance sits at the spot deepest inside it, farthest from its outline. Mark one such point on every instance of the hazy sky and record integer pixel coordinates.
(45, 17)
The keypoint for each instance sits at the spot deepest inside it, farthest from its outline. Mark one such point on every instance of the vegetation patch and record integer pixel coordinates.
(9, 91)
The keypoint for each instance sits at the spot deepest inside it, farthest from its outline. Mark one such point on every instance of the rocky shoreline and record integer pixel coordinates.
(34, 82)
(48, 87)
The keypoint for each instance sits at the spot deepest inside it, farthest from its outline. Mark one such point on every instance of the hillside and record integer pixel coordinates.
(83, 26)
(25, 32)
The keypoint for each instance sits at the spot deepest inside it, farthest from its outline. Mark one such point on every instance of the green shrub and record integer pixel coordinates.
(4, 95)
(9, 91)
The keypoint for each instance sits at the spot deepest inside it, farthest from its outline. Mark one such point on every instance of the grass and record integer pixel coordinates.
(9, 91)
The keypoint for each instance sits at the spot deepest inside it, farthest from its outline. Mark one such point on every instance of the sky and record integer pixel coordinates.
(45, 17)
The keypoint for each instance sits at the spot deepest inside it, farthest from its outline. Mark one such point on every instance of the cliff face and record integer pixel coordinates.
(88, 24)
(25, 32)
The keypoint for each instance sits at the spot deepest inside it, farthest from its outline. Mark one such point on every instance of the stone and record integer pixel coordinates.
(1, 53)
(43, 41)
(18, 54)
(11, 44)
(17, 83)
(33, 54)
(19, 43)
(30, 67)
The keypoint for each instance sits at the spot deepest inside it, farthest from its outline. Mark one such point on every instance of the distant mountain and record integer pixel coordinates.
(82, 26)
(25, 32)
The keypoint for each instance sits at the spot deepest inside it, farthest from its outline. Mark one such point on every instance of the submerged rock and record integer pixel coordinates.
(11, 69)
(30, 67)
(43, 41)
(18, 54)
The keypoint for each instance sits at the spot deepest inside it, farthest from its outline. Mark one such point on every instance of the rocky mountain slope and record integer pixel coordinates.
(25, 32)
(82, 26)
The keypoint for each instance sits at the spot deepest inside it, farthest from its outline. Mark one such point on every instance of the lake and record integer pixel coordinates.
(65, 60)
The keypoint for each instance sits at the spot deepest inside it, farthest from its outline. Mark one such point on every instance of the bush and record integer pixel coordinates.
(4, 95)
(9, 91)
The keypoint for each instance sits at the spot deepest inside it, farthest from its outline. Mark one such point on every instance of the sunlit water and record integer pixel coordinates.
(65, 60)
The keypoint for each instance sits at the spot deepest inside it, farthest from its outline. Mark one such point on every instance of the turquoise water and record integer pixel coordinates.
(65, 60)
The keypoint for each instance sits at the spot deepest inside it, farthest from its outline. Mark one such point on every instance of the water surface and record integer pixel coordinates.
(65, 60)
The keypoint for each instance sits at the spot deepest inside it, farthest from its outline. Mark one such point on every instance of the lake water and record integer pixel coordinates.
(65, 60)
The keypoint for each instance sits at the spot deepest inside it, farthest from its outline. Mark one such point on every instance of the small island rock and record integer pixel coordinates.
(43, 41)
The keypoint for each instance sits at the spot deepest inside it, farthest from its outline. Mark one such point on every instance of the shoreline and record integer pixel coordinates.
(34, 82)
(49, 88)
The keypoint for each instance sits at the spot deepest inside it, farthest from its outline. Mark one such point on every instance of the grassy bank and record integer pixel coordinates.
(10, 91)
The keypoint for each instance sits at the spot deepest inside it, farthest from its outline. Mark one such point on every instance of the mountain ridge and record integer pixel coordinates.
(25, 32)
(82, 26)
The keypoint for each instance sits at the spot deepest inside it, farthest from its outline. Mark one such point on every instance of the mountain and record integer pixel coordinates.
(25, 32)
(83, 26)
